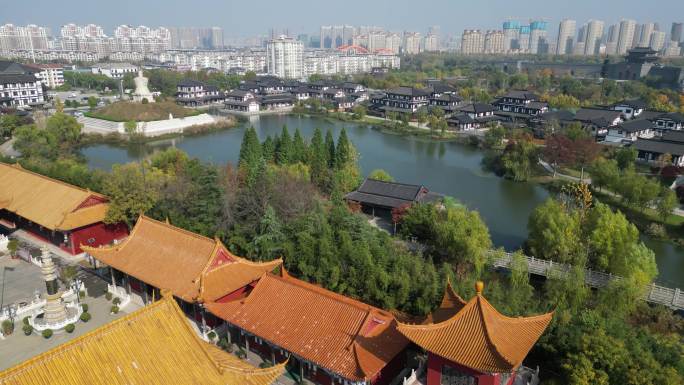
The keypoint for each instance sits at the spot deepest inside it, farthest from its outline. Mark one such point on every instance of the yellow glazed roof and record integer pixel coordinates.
(48, 202)
(153, 346)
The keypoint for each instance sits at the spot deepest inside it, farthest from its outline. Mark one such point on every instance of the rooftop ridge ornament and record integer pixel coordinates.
(479, 286)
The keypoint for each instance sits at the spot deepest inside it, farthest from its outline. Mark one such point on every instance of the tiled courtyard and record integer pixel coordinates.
(21, 280)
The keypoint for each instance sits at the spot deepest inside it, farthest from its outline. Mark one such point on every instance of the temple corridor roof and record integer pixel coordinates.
(479, 337)
(342, 335)
(154, 345)
(195, 268)
(48, 202)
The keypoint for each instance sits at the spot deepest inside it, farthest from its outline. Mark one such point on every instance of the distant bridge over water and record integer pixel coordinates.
(672, 298)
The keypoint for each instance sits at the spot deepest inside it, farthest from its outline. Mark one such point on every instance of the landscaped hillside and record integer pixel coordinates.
(127, 111)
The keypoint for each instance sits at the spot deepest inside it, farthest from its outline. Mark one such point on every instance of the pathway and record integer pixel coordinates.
(552, 171)
(673, 298)
(7, 149)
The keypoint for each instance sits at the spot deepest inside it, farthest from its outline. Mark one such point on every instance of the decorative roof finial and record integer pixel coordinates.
(479, 286)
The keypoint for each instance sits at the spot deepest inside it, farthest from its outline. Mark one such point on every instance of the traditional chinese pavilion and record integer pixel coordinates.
(154, 345)
(62, 214)
(328, 338)
(472, 343)
(194, 268)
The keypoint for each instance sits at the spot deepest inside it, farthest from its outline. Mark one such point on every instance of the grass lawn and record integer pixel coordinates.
(127, 111)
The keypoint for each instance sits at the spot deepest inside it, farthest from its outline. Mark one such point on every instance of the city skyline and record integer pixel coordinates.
(282, 16)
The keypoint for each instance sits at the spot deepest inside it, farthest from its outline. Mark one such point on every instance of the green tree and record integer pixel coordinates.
(269, 239)
(67, 130)
(250, 157)
(625, 157)
(518, 160)
(554, 233)
(268, 149)
(359, 112)
(330, 146)
(9, 123)
(299, 148)
(131, 127)
(318, 161)
(344, 153)
(609, 238)
(604, 173)
(284, 149)
(92, 102)
(132, 189)
(380, 174)
(665, 203)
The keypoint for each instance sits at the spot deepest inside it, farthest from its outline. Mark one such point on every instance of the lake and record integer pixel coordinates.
(450, 168)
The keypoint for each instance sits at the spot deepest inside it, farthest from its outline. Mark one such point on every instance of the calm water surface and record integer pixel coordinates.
(448, 168)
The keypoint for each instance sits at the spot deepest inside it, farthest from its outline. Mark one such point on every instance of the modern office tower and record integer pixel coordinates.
(337, 36)
(431, 42)
(472, 42)
(511, 30)
(217, 37)
(593, 38)
(538, 34)
(657, 41)
(566, 36)
(626, 36)
(494, 42)
(285, 57)
(645, 34)
(30, 37)
(412, 42)
(677, 32)
(612, 39)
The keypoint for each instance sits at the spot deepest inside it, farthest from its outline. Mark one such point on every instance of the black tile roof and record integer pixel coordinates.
(560, 115)
(478, 108)
(10, 79)
(673, 136)
(408, 91)
(635, 125)
(461, 119)
(190, 83)
(634, 103)
(596, 114)
(521, 94)
(660, 146)
(674, 116)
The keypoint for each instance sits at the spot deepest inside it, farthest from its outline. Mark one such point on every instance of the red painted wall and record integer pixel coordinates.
(237, 294)
(391, 370)
(100, 233)
(434, 371)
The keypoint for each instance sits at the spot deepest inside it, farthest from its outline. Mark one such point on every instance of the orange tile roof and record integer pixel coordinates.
(48, 202)
(154, 345)
(480, 337)
(195, 268)
(451, 304)
(342, 335)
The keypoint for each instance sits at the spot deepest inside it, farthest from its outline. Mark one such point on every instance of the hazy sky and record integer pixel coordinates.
(250, 17)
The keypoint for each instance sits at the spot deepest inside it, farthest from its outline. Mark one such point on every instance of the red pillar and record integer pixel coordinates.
(434, 370)
(488, 379)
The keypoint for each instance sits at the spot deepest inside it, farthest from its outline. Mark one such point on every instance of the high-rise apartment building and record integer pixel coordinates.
(538, 34)
(657, 41)
(566, 36)
(30, 37)
(217, 37)
(612, 39)
(594, 35)
(285, 57)
(472, 42)
(431, 42)
(645, 34)
(578, 49)
(412, 42)
(524, 39)
(494, 42)
(677, 32)
(511, 30)
(626, 36)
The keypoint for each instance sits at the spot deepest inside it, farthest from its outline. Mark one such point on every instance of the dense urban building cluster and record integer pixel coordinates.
(590, 39)
(376, 39)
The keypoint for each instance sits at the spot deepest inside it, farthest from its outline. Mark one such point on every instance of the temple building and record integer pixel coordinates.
(472, 343)
(379, 198)
(153, 345)
(53, 211)
(328, 338)
(158, 256)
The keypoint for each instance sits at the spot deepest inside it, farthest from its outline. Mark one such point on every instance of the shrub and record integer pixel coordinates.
(7, 327)
(25, 321)
(47, 333)
(81, 293)
(117, 301)
(108, 295)
(85, 316)
(70, 328)
(241, 353)
(211, 335)
(114, 309)
(28, 329)
(656, 230)
(225, 345)
(84, 306)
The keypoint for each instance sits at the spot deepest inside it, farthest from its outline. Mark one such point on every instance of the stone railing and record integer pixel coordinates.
(672, 298)
(119, 292)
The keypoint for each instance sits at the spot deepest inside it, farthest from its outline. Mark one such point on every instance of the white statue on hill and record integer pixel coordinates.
(141, 90)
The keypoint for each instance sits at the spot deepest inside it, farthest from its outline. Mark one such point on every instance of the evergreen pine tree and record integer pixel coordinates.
(250, 149)
(318, 158)
(344, 150)
(268, 149)
(284, 149)
(299, 148)
(330, 146)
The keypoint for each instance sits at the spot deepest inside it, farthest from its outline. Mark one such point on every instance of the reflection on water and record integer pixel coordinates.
(449, 168)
